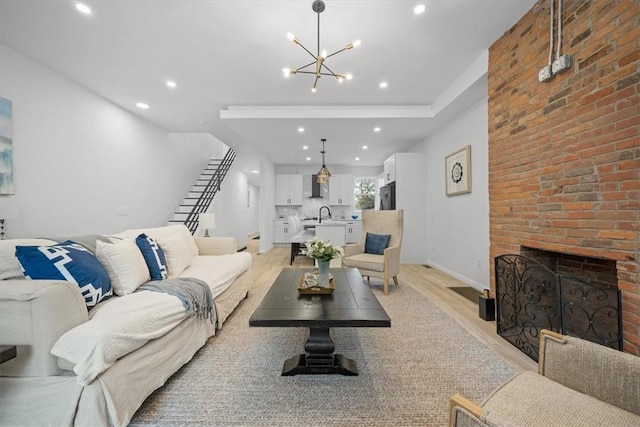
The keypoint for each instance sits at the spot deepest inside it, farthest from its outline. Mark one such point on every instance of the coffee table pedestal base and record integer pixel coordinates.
(319, 358)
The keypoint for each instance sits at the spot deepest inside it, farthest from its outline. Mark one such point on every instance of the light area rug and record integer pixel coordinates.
(407, 373)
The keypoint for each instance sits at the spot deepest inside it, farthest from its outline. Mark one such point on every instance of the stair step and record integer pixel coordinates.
(182, 216)
(185, 208)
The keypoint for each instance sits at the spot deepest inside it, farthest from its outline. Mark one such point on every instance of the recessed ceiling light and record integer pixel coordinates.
(364, 147)
(83, 8)
(308, 159)
(254, 171)
(383, 85)
(301, 130)
(142, 105)
(305, 147)
(171, 84)
(376, 129)
(419, 9)
(357, 159)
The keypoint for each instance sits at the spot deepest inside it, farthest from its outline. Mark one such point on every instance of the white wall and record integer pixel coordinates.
(236, 207)
(458, 226)
(267, 202)
(80, 161)
(412, 197)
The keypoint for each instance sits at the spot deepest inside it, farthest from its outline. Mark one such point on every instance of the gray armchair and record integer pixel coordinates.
(579, 383)
(386, 266)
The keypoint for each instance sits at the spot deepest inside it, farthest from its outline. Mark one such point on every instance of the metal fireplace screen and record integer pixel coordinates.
(531, 297)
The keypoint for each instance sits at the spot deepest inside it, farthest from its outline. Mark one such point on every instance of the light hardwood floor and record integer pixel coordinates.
(433, 284)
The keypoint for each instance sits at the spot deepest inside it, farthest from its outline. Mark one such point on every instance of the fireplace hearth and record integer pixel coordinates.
(531, 296)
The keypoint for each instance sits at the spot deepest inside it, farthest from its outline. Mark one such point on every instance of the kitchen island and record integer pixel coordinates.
(330, 231)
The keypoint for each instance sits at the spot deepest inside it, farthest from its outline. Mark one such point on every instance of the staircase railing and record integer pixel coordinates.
(210, 190)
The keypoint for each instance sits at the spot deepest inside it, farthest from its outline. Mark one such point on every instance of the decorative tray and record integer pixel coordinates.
(308, 285)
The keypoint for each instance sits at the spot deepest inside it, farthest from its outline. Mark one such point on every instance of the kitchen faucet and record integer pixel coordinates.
(320, 213)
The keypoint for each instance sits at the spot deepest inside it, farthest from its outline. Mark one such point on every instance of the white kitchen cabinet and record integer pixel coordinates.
(390, 169)
(341, 190)
(288, 190)
(281, 229)
(354, 230)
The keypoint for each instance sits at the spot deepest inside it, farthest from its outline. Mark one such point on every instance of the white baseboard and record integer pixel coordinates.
(477, 286)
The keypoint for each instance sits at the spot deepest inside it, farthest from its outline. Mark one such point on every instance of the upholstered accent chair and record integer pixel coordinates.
(386, 265)
(579, 383)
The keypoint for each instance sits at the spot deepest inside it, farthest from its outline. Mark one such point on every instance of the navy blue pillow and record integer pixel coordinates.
(376, 243)
(153, 256)
(67, 261)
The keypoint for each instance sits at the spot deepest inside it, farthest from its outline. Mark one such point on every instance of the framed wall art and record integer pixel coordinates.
(6, 148)
(457, 168)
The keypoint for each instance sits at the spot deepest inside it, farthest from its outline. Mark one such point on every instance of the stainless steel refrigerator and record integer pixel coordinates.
(388, 197)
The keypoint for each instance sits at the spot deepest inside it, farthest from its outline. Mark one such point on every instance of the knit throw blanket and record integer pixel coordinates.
(194, 294)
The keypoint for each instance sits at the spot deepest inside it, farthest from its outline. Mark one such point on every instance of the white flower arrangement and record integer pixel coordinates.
(322, 251)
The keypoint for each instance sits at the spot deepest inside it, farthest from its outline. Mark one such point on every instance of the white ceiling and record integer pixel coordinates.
(227, 58)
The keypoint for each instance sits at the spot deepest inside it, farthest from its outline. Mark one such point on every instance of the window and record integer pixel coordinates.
(365, 193)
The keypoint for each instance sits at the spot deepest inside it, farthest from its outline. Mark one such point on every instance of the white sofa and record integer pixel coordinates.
(76, 387)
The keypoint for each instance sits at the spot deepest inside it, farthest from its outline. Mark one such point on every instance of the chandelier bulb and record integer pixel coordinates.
(349, 76)
(354, 44)
(286, 72)
(323, 55)
(313, 89)
(293, 38)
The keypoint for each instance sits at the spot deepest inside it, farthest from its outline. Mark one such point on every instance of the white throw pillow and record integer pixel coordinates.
(10, 267)
(177, 253)
(184, 232)
(124, 264)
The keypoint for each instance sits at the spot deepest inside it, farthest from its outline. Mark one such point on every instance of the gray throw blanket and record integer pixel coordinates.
(194, 294)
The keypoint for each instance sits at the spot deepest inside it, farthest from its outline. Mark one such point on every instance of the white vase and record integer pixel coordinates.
(323, 276)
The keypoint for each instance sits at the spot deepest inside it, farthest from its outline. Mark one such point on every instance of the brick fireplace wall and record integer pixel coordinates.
(564, 156)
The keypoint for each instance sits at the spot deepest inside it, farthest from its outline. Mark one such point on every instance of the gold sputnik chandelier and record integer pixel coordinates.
(321, 68)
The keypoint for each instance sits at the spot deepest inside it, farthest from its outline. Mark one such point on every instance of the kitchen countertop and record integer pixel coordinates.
(332, 222)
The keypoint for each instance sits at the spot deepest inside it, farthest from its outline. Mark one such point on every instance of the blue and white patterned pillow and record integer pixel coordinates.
(67, 261)
(153, 256)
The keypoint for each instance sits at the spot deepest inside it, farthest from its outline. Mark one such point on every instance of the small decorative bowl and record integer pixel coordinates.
(354, 216)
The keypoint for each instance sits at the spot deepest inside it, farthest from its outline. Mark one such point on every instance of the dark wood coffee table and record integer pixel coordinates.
(352, 304)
